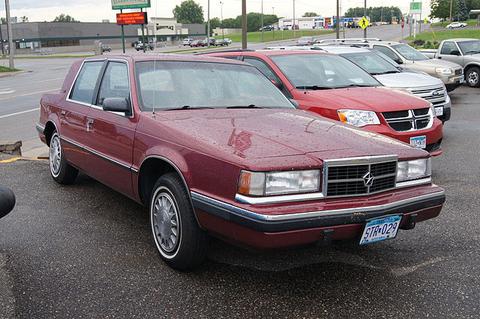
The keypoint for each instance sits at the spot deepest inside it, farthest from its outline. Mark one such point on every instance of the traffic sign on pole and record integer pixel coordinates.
(364, 23)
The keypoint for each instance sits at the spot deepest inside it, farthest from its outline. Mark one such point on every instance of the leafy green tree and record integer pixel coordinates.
(188, 12)
(310, 14)
(230, 23)
(64, 18)
(375, 13)
(463, 12)
(441, 9)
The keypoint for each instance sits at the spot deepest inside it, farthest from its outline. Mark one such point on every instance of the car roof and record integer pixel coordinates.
(339, 49)
(463, 39)
(165, 57)
(286, 52)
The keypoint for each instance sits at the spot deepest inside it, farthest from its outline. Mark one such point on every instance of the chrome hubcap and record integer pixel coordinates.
(165, 222)
(473, 77)
(55, 155)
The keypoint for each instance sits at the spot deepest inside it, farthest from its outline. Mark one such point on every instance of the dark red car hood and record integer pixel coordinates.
(372, 99)
(272, 133)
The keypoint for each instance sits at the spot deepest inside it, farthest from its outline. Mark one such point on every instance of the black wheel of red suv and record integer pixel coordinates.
(178, 238)
(472, 76)
(61, 171)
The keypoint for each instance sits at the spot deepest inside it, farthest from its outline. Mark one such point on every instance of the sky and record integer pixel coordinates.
(97, 10)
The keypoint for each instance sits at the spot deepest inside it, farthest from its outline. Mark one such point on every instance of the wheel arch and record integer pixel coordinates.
(50, 127)
(470, 65)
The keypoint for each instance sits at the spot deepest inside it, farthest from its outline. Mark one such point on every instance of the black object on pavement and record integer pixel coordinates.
(7, 201)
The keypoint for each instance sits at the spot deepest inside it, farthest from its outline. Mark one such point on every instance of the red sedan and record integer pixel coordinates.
(336, 88)
(213, 148)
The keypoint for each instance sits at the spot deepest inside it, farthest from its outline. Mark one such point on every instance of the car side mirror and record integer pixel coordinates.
(7, 201)
(116, 104)
(455, 52)
(398, 60)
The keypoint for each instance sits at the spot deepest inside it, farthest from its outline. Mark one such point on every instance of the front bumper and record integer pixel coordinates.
(452, 82)
(259, 228)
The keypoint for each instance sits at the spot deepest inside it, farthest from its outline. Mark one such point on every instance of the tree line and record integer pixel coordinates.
(376, 14)
(460, 8)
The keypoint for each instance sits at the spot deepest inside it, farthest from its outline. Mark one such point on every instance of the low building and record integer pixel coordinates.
(168, 29)
(225, 31)
(302, 23)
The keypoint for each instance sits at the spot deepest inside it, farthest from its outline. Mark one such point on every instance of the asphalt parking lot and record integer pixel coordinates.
(86, 251)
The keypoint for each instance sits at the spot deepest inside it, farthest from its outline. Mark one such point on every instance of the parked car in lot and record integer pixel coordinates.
(229, 156)
(450, 73)
(336, 88)
(223, 42)
(187, 41)
(140, 46)
(465, 52)
(456, 25)
(198, 43)
(305, 41)
(106, 48)
(421, 85)
(7, 201)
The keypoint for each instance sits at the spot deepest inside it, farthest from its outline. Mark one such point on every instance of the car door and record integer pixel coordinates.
(111, 134)
(73, 115)
(451, 52)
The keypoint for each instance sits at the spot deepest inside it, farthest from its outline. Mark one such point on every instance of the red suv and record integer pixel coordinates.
(334, 87)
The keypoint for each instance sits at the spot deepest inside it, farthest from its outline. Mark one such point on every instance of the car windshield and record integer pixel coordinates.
(190, 85)
(469, 47)
(371, 62)
(319, 71)
(409, 53)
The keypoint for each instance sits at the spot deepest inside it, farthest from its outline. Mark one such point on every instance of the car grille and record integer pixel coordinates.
(409, 120)
(347, 179)
(437, 96)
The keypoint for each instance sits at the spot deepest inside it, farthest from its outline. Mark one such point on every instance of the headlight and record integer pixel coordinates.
(444, 71)
(358, 117)
(278, 183)
(416, 169)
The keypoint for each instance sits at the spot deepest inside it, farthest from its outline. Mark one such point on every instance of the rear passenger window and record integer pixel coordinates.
(115, 82)
(84, 87)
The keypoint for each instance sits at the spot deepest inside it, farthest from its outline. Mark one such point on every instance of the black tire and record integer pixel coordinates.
(189, 249)
(60, 170)
(472, 76)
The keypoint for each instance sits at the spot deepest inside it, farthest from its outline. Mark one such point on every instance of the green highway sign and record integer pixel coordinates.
(130, 4)
(416, 7)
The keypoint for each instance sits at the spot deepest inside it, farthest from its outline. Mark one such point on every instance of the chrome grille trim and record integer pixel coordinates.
(354, 182)
(412, 120)
(436, 95)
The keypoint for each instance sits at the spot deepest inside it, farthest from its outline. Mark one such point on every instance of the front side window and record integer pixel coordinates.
(319, 71)
(470, 47)
(387, 51)
(173, 85)
(371, 62)
(448, 48)
(409, 53)
(84, 87)
(262, 67)
(114, 82)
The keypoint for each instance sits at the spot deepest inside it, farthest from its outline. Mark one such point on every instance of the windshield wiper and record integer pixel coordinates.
(472, 52)
(313, 87)
(187, 107)
(353, 85)
(389, 72)
(250, 106)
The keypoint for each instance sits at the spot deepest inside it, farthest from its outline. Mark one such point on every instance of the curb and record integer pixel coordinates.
(8, 74)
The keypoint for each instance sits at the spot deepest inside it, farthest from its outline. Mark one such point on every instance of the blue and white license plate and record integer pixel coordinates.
(439, 111)
(380, 229)
(419, 141)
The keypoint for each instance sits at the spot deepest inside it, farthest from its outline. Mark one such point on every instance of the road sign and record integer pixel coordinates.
(130, 4)
(425, 20)
(416, 7)
(363, 23)
(132, 18)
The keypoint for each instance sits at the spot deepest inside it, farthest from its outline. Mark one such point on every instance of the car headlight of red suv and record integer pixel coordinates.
(358, 117)
(278, 183)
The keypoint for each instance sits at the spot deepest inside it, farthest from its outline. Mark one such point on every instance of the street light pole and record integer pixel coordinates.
(221, 18)
(337, 27)
(365, 15)
(244, 24)
(261, 18)
(273, 13)
(451, 7)
(208, 24)
(11, 50)
(293, 20)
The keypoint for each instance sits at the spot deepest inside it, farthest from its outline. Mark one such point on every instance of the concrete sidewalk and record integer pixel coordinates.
(7, 300)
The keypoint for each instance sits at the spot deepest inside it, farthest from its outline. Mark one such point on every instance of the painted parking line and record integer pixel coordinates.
(28, 94)
(7, 92)
(18, 113)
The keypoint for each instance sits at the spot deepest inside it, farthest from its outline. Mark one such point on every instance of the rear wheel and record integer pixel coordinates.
(179, 240)
(61, 171)
(472, 76)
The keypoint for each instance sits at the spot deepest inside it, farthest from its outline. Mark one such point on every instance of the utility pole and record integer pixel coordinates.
(293, 20)
(365, 15)
(221, 20)
(11, 50)
(208, 24)
(273, 30)
(244, 24)
(337, 27)
(1, 40)
(261, 18)
(451, 8)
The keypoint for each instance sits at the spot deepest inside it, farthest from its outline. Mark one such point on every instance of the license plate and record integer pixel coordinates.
(439, 111)
(419, 141)
(380, 229)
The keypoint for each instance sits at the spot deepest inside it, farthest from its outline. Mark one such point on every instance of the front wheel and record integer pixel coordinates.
(473, 76)
(177, 236)
(61, 171)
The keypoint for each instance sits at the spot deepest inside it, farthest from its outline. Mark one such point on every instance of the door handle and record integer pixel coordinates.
(90, 125)
(63, 112)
